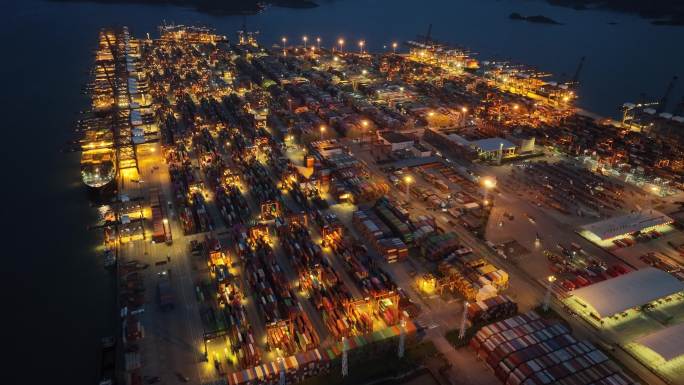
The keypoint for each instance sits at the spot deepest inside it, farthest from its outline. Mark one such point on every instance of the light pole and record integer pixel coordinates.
(488, 184)
(345, 360)
(281, 369)
(318, 42)
(361, 44)
(402, 339)
(408, 180)
(464, 110)
(305, 39)
(431, 115)
(464, 320)
(322, 129)
(341, 44)
(284, 40)
(364, 124)
(394, 47)
(547, 296)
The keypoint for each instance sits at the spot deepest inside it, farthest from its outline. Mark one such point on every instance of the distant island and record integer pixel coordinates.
(224, 7)
(660, 12)
(534, 19)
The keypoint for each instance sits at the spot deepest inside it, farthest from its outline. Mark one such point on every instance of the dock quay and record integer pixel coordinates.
(271, 212)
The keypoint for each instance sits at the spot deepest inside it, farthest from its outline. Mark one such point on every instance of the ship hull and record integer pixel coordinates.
(103, 194)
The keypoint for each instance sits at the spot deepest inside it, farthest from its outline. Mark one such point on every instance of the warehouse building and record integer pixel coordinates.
(396, 140)
(488, 148)
(667, 343)
(628, 292)
(663, 352)
(603, 232)
(492, 148)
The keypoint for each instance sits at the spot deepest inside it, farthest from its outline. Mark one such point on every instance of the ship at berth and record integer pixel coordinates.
(119, 119)
(98, 168)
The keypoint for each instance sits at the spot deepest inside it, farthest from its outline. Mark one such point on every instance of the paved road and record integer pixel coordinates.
(173, 339)
(527, 290)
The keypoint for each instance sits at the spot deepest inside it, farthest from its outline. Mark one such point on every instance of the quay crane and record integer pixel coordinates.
(663, 101)
(574, 82)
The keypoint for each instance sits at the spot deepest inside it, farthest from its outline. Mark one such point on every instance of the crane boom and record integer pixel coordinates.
(663, 101)
(575, 78)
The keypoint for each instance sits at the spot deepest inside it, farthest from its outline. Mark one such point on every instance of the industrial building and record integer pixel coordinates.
(629, 291)
(491, 148)
(396, 140)
(603, 232)
(662, 351)
(667, 343)
(488, 148)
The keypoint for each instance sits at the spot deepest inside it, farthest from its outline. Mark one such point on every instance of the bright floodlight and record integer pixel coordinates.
(488, 183)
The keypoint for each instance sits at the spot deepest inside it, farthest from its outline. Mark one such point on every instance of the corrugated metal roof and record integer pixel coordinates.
(667, 343)
(627, 224)
(493, 144)
(630, 290)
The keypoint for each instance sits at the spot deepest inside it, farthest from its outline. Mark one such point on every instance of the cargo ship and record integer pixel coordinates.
(98, 163)
(98, 147)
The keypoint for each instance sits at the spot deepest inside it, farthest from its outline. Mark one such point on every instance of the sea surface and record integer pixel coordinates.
(59, 299)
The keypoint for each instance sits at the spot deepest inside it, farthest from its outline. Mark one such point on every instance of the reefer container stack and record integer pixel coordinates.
(529, 350)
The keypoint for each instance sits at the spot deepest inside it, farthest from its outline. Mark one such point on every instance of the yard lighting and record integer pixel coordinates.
(408, 180)
(547, 296)
(488, 183)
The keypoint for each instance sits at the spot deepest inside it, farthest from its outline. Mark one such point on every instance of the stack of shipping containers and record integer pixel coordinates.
(529, 350)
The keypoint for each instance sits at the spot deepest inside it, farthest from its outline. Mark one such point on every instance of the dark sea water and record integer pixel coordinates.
(59, 299)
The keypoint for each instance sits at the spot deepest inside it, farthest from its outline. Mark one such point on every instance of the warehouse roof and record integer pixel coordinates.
(627, 224)
(493, 144)
(416, 162)
(667, 343)
(630, 290)
(395, 137)
(458, 139)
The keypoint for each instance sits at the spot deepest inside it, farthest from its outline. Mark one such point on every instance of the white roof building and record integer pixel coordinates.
(627, 291)
(668, 343)
(627, 224)
(493, 144)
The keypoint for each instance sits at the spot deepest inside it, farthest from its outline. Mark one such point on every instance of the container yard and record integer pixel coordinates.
(274, 210)
(527, 349)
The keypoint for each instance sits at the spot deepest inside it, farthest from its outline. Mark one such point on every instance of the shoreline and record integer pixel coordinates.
(211, 7)
(657, 12)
